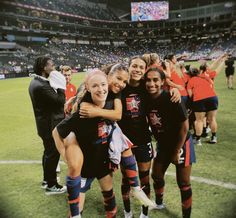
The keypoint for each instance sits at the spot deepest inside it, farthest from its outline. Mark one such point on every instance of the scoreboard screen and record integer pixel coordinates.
(145, 11)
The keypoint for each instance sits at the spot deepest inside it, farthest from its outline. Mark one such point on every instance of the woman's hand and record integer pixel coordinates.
(175, 95)
(68, 105)
(88, 110)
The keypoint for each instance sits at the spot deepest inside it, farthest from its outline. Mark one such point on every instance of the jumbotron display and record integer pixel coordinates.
(145, 11)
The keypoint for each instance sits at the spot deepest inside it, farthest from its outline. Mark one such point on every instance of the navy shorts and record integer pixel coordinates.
(143, 153)
(186, 101)
(186, 155)
(86, 184)
(205, 105)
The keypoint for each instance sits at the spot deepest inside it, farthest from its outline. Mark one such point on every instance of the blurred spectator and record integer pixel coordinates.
(229, 71)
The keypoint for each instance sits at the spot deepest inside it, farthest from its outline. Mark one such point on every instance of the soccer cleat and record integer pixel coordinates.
(213, 140)
(143, 216)
(77, 216)
(139, 194)
(56, 189)
(204, 135)
(44, 185)
(208, 129)
(128, 214)
(198, 142)
(160, 206)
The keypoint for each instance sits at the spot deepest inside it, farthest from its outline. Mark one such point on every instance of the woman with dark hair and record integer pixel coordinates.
(47, 95)
(134, 125)
(117, 79)
(169, 124)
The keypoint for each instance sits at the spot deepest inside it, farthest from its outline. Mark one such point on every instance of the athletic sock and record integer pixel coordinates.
(109, 203)
(186, 199)
(73, 188)
(158, 186)
(144, 180)
(125, 191)
(213, 134)
(198, 137)
(130, 170)
(204, 129)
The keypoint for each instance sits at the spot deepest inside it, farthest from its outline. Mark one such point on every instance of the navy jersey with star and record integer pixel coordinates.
(133, 123)
(165, 119)
(93, 135)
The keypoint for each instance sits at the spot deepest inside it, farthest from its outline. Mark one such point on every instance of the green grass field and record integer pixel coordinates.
(22, 197)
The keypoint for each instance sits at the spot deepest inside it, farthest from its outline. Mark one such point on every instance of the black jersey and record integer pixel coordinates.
(93, 136)
(134, 123)
(165, 118)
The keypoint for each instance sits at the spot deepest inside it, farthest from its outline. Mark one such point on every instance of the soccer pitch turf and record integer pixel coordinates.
(20, 193)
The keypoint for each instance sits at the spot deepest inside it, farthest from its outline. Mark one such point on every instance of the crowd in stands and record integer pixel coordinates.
(87, 56)
(81, 8)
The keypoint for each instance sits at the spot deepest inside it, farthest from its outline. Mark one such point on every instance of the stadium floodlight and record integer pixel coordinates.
(178, 15)
(228, 4)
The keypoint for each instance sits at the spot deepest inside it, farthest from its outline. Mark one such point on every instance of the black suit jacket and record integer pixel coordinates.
(48, 106)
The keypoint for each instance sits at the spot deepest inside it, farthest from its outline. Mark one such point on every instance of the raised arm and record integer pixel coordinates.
(220, 66)
(88, 110)
(167, 72)
(216, 63)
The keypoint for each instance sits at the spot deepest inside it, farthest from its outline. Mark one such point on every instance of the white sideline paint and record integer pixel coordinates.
(208, 181)
(193, 178)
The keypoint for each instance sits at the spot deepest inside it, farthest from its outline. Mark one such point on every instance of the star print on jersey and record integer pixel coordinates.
(104, 131)
(155, 121)
(133, 105)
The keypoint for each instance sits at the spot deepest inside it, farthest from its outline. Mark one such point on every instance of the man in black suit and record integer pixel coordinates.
(48, 100)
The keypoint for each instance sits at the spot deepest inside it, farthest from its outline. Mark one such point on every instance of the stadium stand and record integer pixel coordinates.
(87, 34)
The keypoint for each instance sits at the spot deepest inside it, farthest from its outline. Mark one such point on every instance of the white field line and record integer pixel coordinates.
(193, 178)
(209, 181)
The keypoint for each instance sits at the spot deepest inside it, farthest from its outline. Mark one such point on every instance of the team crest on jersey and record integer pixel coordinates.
(103, 132)
(133, 105)
(155, 120)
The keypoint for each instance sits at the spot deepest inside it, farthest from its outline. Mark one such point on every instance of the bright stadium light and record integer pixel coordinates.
(229, 4)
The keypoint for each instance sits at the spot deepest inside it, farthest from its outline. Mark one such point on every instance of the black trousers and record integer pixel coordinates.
(49, 161)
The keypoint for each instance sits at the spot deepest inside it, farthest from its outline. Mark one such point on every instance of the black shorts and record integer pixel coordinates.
(186, 156)
(205, 105)
(97, 171)
(143, 153)
(96, 161)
